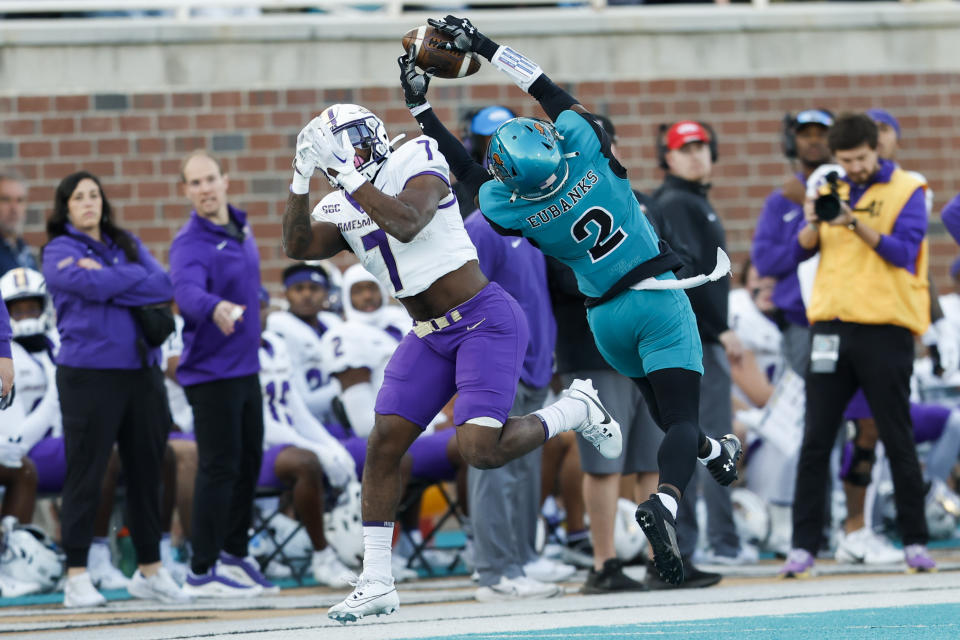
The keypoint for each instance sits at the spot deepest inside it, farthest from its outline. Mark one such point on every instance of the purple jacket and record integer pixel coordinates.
(97, 329)
(951, 218)
(521, 270)
(901, 245)
(208, 265)
(773, 255)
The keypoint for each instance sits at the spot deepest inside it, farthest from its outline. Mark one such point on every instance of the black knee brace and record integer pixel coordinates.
(853, 473)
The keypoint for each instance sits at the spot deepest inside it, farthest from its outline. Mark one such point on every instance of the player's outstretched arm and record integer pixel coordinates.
(302, 238)
(526, 73)
(461, 164)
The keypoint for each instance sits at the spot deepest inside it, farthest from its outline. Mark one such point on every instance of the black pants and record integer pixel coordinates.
(101, 407)
(878, 358)
(228, 425)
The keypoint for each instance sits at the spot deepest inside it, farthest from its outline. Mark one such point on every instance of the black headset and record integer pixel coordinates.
(662, 144)
(788, 136)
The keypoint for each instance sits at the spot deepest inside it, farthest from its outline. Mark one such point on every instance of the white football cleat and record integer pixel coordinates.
(599, 429)
(369, 597)
(328, 570)
(79, 592)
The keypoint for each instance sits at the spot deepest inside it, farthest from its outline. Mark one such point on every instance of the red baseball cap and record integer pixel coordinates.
(684, 132)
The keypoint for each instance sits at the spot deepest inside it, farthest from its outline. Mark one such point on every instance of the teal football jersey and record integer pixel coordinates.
(594, 224)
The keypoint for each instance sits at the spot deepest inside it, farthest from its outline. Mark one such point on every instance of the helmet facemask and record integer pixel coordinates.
(365, 131)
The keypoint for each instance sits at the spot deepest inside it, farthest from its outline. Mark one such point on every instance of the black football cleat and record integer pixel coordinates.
(660, 528)
(611, 579)
(723, 468)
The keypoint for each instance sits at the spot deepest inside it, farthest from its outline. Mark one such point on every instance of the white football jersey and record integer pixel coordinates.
(355, 345)
(405, 268)
(180, 409)
(286, 419)
(309, 374)
(35, 412)
(757, 332)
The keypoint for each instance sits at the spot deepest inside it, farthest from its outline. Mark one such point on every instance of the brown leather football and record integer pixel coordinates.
(444, 64)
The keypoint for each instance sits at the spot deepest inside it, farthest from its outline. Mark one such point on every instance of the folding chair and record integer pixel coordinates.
(299, 565)
(411, 499)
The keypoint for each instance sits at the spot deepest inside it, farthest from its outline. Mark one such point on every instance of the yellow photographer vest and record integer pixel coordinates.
(854, 284)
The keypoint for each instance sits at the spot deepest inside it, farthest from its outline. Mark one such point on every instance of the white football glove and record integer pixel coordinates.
(338, 155)
(337, 464)
(307, 158)
(11, 453)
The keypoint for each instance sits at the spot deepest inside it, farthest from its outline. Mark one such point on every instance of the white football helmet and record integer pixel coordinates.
(22, 283)
(343, 526)
(628, 538)
(29, 556)
(366, 131)
(942, 508)
(751, 516)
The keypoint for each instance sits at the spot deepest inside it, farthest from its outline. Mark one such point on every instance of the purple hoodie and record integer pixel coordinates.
(951, 218)
(97, 329)
(772, 252)
(521, 270)
(208, 265)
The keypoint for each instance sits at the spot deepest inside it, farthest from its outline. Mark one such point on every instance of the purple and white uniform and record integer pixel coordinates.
(771, 473)
(287, 422)
(180, 410)
(303, 344)
(367, 340)
(37, 422)
(474, 350)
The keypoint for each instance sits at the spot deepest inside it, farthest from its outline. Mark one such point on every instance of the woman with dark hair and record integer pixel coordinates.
(111, 389)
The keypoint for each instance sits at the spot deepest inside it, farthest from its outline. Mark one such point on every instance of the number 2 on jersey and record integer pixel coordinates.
(606, 242)
(377, 239)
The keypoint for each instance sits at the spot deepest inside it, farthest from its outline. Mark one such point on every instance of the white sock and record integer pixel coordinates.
(669, 502)
(563, 415)
(714, 451)
(377, 543)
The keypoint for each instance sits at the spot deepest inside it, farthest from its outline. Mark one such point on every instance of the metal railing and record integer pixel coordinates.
(202, 9)
(185, 10)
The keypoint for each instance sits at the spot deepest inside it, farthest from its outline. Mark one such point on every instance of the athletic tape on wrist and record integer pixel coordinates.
(350, 181)
(420, 108)
(299, 185)
(521, 69)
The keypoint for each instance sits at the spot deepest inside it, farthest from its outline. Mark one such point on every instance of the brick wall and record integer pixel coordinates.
(135, 142)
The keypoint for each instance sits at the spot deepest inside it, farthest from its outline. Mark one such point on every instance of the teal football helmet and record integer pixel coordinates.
(524, 154)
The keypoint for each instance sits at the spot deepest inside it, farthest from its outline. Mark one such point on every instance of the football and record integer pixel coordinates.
(445, 64)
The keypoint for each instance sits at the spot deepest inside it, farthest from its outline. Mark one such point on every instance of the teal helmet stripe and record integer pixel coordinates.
(525, 155)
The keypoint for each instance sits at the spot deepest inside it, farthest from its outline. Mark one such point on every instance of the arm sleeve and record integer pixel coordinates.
(189, 275)
(358, 403)
(155, 288)
(552, 98)
(463, 167)
(98, 285)
(901, 246)
(951, 218)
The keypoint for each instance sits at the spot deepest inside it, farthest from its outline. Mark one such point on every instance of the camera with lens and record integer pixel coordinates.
(827, 206)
